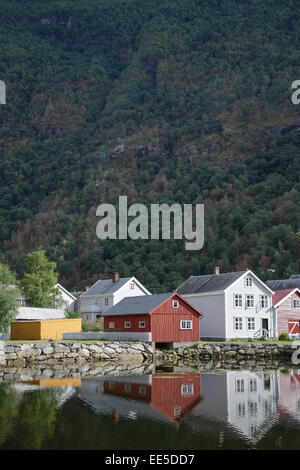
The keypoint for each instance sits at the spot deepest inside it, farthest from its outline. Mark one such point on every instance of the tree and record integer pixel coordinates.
(39, 281)
(8, 297)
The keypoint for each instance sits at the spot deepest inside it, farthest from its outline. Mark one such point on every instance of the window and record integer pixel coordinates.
(132, 285)
(106, 301)
(177, 411)
(186, 324)
(142, 390)
(264, 301)
(187, 389)
(111, 385)
(127, 388)
(252, 385)
(251, 323)
(238, 323)
(296, 304)
(98, 316)
(238, 302)
(249, 301)
(241, 410)
(127, 324)
(111, 324)
(142, 324)
(248, 281)
(239, 385)
(175, 303)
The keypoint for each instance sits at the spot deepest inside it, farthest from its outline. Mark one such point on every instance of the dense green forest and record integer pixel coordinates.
(160, 100)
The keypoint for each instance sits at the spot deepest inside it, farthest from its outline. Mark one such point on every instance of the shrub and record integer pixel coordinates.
(92, 326)
(284, 336)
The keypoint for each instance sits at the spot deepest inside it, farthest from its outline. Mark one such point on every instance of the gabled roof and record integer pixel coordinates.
(209, 282)
(137, 305)
(105, 286)
(281, 295)
(295, 276)
(281, 284)
(63, 289)
(142, 304)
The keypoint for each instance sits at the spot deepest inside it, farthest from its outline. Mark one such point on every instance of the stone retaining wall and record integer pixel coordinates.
(24, 354)
(240, 351)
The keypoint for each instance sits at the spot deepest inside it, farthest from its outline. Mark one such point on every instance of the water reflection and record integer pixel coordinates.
(247, 407)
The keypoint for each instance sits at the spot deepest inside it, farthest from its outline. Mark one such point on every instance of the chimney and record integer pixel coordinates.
(115, 277)
(217, 270)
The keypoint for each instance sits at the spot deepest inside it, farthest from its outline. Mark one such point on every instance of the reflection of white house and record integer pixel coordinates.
(245, 400)
(234, 305)
(105, 293)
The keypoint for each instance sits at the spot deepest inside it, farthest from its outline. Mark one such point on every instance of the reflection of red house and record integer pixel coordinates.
(286, 305)
(289, 395)
(173, 395)
(169, 318)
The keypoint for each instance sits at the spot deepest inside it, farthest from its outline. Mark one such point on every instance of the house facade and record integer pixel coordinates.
(234, 305)
(286, 309)
(106, 293)
(166, 318)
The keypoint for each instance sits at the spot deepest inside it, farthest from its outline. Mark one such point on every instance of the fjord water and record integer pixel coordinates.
(173, 409)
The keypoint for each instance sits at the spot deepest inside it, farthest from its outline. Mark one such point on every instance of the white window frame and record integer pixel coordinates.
(296, 302)
(106, 301)
(264, 301)
(175, 303)
(238, 299)
(127, 387)
(110, 323)
(249, 297)
(142, 324)
(186, 324)
(238, 321)
(127, 324)
(132, 286)
(142, 389)
(251, 322)
(248, 281)
(239, 385)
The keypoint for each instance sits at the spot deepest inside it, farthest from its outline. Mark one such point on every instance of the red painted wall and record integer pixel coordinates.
(285, 312)
(165, 322)
(133, 319)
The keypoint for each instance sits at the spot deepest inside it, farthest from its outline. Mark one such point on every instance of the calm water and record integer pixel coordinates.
(163, 410)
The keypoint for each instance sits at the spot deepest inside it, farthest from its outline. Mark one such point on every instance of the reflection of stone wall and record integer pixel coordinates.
(43, 372)
(21, 355)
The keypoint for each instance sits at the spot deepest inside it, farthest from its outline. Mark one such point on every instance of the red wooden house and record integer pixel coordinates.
(168, 317)
(286, 307)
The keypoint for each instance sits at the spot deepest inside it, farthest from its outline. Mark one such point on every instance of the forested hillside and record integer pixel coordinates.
(160, 100)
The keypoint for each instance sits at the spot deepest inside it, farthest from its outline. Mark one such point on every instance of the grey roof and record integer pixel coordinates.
(105, 286)
(209, 282)
(281, 284)
(137, 305)
(34, 313)
(77, 294)
(295, 276)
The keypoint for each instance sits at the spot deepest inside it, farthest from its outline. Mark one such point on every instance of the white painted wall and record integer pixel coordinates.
(92, 307)
(257, 312)
(212, 324)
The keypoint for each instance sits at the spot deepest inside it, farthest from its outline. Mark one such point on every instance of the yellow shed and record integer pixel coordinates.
(44, 329)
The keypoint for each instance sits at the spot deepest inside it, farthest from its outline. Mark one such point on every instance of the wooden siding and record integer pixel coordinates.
(139, 391)
(165, 322)
(44, 329)
(119, 321)
(286, 313)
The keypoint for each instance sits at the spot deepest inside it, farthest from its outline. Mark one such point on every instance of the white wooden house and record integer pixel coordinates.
(234, 305)
(106, 293)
